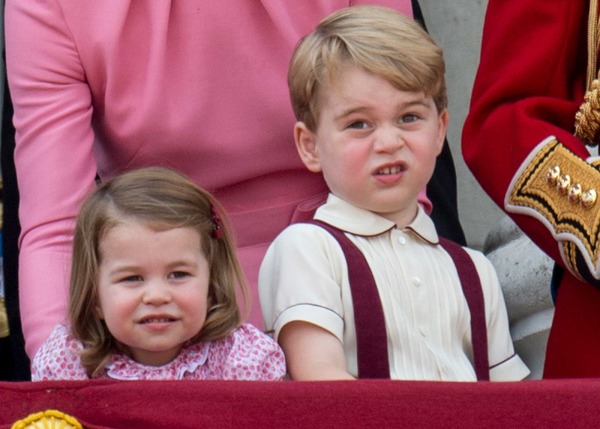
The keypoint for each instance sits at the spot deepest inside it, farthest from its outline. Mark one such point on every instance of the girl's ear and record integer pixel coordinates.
(99, 312)
(306, 144)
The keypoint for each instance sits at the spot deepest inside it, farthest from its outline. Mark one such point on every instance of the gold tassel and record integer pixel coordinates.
(587, 119)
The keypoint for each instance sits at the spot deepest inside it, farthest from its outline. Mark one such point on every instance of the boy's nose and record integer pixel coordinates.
(388, 139)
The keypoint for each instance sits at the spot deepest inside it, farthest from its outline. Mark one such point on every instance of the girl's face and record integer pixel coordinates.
(375, 144)
(153, 289)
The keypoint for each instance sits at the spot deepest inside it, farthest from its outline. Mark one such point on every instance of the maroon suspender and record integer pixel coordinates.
(371, 334)
(471, 285)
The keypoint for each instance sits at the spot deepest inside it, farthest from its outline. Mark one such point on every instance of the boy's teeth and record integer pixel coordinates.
(390, 170)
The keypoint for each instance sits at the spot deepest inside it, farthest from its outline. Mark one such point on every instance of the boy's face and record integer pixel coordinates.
(375, 145)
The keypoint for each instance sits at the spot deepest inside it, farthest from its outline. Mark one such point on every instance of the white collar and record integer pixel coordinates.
(357, 221)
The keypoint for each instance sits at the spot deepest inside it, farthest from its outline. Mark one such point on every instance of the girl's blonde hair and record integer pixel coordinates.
(377, 39)
(163, 199)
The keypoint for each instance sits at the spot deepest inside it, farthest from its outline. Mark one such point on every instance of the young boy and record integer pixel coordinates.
(368, 90)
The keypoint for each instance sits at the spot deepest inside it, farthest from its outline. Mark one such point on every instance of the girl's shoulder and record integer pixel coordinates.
(60, 341)
(58, 358)
(248, 354)
(244, 340)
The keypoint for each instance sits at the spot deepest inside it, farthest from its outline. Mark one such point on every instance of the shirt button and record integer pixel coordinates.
(416, 281)
(401, 240)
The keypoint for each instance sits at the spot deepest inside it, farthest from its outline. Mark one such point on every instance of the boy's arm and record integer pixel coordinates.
(312, 353)
(301, 290)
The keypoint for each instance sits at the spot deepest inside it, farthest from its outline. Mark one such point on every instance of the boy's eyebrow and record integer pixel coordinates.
(350, 111)
(421, 101)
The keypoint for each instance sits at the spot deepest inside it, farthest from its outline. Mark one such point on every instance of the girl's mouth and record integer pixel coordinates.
(157, 319)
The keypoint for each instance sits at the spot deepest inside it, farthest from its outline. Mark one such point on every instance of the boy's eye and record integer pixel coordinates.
(359, 125)
(406, 119)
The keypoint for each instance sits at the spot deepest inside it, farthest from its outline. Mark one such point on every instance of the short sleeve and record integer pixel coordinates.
(304, 277)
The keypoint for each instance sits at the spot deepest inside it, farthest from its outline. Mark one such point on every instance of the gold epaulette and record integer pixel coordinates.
(560, 189)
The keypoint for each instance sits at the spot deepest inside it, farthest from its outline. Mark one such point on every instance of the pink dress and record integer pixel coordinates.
(101, 87)
(246, 354)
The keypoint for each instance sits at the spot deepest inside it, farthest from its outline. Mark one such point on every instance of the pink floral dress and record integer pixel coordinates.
(246, 354)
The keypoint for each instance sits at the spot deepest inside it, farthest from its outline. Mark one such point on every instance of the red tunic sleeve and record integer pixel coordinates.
(529, 86)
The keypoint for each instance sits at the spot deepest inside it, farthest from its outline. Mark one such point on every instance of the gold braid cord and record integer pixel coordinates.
(49, 419)
(587, 119)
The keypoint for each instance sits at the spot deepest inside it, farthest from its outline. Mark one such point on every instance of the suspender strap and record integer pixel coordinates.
(471, 285)
(371, 334)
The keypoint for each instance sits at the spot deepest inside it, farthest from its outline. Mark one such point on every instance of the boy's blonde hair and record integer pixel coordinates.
(377, 39)
(162, 199)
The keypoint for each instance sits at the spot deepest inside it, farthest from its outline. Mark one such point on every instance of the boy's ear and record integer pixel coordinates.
(443, 128)
(306, 144)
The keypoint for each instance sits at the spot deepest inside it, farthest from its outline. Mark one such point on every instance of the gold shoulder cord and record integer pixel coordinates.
(587, 119)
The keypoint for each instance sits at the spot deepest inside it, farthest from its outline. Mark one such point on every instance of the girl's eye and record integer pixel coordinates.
(131, 279)
(179, 275)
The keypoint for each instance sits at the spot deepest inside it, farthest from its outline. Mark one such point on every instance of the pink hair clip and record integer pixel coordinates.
(217, 225)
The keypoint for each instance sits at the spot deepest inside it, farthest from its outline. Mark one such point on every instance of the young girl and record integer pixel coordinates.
(153, 290)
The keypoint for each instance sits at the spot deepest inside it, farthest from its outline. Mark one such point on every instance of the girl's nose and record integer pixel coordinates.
(156, 293)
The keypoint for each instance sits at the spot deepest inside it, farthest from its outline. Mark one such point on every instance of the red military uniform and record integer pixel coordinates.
(519, 142)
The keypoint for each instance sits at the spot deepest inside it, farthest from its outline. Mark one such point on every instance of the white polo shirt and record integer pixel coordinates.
(304, 277)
